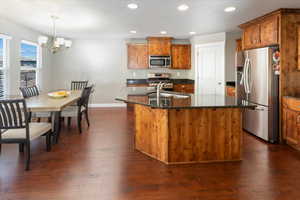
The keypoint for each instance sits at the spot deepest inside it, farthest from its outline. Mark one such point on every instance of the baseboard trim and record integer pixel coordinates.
(108, 105)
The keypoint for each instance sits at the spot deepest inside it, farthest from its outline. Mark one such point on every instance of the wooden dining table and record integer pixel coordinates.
(44, 103)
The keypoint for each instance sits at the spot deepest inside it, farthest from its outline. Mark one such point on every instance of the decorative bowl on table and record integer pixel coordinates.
(59, 94)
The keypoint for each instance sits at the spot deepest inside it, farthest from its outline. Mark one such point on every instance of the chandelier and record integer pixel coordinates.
(55, 43)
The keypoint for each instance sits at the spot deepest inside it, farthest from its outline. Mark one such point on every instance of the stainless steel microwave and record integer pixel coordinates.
(160, 61)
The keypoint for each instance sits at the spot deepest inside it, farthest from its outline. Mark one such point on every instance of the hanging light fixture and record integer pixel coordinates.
(54, 44)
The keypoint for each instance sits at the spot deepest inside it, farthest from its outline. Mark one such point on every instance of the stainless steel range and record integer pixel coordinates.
(155, 78)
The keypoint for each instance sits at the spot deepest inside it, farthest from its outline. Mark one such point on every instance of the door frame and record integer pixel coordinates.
(197, 46)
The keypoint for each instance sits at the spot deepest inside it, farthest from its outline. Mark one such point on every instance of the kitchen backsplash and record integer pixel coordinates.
(142, 74)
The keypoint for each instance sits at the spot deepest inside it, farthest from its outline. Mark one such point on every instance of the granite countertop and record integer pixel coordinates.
(174, 100)
(230, 83)
(175, 81)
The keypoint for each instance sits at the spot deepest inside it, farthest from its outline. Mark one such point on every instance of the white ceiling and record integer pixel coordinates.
(112, 18)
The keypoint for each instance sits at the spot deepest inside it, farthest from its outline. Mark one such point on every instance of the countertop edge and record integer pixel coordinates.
(183, 107)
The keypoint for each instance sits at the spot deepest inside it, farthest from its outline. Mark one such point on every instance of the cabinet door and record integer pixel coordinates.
(251, 37)
(184, 88)
(182, 102)
(230, 91)
(137, 56)
(159, 46)
(292, 121)
(298, 47)
(269, 31)
(181, 56)
(239, 46)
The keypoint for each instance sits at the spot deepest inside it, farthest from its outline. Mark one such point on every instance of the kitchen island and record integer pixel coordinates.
(179, 128)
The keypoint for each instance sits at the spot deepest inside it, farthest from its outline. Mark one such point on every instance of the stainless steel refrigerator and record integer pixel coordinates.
(258, 83)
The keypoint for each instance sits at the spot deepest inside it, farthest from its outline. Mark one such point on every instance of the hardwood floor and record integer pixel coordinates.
(102, 164)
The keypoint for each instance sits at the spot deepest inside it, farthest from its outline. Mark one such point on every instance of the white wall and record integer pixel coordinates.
(230, 46)
(19, 33)
(101, 61)
(230, 55)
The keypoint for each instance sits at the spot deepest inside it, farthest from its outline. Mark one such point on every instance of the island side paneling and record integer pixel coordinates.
(176, 136)
(205, 135)
(151, 131)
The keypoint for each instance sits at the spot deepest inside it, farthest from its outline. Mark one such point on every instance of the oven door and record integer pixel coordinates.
(158, 62)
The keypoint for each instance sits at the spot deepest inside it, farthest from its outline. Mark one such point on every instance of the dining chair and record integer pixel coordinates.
(15, 127)
(80, 109)
(78, 85)
(28, 92)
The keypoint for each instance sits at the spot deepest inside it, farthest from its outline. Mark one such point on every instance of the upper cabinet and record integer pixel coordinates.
(138, 56)
(239, 46)
(261, 32)
(251, 36)
(269, 30)
(159, 46)
(181, 56)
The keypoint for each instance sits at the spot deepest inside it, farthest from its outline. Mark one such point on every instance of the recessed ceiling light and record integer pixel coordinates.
(163, 32)
(183, 7)
(192, 32)
(132, 6)
(133, 32)
(230, 9)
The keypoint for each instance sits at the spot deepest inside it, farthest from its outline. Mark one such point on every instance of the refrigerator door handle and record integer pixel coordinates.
(243, 73)
(249, 76)
(246, 80)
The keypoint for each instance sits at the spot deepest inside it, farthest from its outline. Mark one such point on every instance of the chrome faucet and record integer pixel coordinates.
(158, 88)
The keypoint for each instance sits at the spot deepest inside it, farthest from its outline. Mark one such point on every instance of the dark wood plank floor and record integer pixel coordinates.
(102, 164)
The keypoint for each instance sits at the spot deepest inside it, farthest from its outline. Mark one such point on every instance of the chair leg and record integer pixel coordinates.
(49, 119)
(39, 119)
(21, 147)
(48, 142)
(29, 116)
(69, 122)
(87, 118)
(79, 118)
(27, 156)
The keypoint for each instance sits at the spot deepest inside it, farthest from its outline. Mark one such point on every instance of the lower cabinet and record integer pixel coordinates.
(230, 91)
(291, 121)
(184, 88)
(140, 98)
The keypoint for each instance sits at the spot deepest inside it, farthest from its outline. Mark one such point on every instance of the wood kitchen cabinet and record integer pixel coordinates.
(251, 36)
(139, 98)
(239, 45)
(138, 56)
(181, 56)
(269, 30)
(291, 121)
(230, 91)
(299, 47)
(261, 32)
(184, 88)
(159, 46)
(178, 102)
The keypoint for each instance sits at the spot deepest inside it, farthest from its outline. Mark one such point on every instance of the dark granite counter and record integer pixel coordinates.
(171, 100)
(230, 83)
(145, 81)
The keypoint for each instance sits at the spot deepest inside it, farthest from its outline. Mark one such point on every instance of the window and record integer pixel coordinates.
(3, 64)
(29, 64)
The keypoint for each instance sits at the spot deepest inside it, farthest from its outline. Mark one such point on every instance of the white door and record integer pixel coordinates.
(210, 69)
